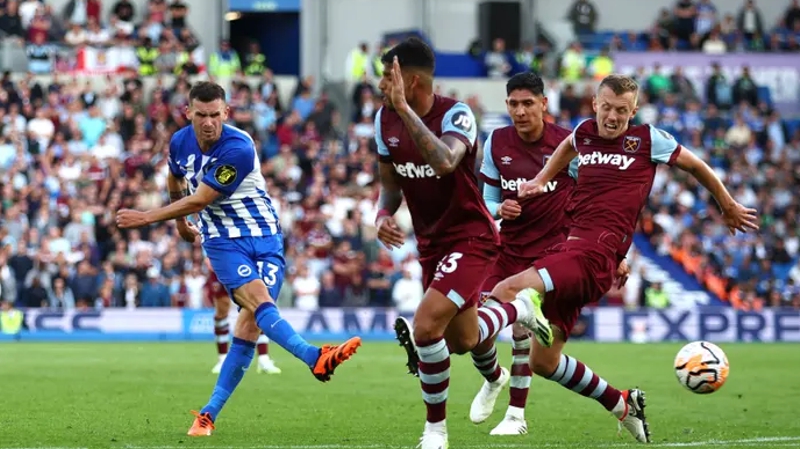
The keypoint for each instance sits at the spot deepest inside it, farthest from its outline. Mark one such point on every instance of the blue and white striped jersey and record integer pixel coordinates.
(232, 168)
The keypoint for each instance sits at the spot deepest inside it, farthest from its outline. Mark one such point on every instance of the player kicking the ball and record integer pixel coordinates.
(216, 293)
(530, 227)
(219, 165)
(427, 155)
(616, 163)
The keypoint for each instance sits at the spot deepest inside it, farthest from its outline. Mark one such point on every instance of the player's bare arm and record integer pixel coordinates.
(736, 216)
(192, 204)
(391, 196)
(443, 155)
(561, 158)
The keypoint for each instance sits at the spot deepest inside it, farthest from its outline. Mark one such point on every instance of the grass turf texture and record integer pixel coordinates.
(93, 395)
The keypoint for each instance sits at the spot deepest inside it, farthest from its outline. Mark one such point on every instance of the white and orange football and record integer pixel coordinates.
(701, 367)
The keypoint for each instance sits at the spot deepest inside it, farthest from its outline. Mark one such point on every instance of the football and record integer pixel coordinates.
(701, 367)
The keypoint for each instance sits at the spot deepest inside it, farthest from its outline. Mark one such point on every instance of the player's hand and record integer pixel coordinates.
(623, 271)
(397, 92)
(389, 233)
(530, 188)
(129, 218)
(186, 230)
(740, 218)
(509, 210)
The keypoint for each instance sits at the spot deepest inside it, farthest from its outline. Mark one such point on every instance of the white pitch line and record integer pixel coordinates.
(748, 442)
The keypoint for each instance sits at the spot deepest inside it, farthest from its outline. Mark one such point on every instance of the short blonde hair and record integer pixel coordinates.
(620, 84)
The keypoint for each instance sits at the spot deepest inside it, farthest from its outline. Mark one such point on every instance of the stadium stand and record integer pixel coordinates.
(73, 152)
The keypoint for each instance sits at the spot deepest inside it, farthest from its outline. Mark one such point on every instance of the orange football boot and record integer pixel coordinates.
(202, 425)
(332, 356)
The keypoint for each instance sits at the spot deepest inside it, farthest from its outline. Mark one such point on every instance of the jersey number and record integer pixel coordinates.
(449, 263)
(272, 270)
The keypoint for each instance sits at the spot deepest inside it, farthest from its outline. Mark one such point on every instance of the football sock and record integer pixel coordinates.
(434, 375)
(487, 365)
(233, 369)
(282, 333)
(493, 319)
(222, 334)
(521, 373)
(579, 378)
(262, 346)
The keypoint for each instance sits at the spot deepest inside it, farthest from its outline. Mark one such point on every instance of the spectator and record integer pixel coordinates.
(496, 60)
(583, 15)
(745, 89)
(749, 21)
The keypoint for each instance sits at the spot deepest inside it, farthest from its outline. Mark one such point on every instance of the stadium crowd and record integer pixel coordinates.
(70, 156)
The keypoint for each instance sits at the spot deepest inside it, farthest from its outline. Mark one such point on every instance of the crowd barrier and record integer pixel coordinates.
(604, 324)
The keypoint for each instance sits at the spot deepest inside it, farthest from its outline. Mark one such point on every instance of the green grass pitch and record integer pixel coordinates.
(137, 396)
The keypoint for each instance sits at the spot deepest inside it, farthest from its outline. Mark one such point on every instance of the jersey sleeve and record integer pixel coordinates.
(227, 172)
(491, 197)
(573, 168)
(460, 120)
(489, 172)
(664, 149)
(383, 150)
(172, 160)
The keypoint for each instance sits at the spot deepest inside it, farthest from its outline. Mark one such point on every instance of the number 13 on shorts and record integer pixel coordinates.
(448, 264)
(272, 275)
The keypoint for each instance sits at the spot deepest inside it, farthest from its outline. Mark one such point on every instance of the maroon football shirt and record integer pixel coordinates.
(614, 180)
(509, 161)
(443, 209)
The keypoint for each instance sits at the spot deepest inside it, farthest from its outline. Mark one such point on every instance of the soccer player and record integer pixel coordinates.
(616, 163)
(529, 227)
(222, 305)
(427, 154)
(214, 171)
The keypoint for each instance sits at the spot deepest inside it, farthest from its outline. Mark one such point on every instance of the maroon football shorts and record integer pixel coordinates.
(505, 267)
(459, 269)
(580, 273)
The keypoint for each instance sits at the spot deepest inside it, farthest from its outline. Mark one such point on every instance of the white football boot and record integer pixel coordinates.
(483, 404)
(218, 367)
(535, 320)
(633, 420)
(512, 424)
(267, 365)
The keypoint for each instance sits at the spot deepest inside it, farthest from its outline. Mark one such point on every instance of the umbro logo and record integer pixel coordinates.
(506, 160)
(394, 141)
(587, 141)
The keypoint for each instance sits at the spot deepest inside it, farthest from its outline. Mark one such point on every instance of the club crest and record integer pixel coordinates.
(630, 144)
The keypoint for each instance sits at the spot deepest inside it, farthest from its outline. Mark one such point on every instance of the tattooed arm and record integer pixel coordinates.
(459, 133)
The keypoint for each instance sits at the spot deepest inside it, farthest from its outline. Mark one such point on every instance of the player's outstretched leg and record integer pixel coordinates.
(627, 406)
(323, 361)
(265, 362)
(528, 287)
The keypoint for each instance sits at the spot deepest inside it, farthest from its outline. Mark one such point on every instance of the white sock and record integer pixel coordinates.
(263, 358)
(522, 309)
(515, 412)
(621, 409)
(222, 357)
(440, 427)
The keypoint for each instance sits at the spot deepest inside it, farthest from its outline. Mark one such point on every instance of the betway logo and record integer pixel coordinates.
(514, 184)
(596, 157)
(409, 170)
